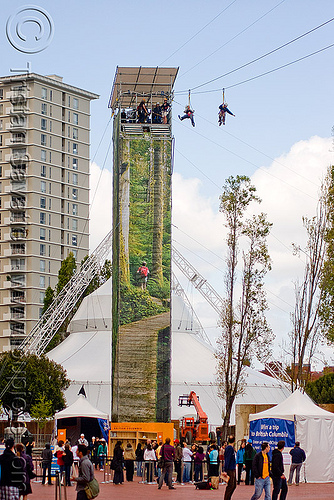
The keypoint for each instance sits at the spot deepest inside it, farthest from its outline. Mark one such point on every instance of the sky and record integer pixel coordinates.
(281, 135)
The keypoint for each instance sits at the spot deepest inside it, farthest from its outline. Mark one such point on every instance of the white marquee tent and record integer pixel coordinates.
(314, 428)
(81, 408)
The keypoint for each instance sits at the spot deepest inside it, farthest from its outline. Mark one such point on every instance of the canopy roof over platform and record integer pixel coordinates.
(131, 83)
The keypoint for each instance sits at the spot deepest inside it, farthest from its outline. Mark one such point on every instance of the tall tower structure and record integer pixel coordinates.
(141, 102)
(44, 195)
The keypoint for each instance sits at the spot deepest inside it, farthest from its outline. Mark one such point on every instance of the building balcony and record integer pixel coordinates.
(18, 234)
(14, 141)
(17, 204)
(13, 284)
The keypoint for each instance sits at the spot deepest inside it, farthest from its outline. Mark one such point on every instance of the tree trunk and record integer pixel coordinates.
(158, 215)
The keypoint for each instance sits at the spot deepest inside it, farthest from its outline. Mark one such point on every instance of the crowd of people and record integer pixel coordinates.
(159, 114)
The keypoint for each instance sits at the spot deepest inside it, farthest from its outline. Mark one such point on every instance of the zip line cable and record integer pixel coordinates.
(258, 150)
(231, 39)
(197, 33)
(251, 163)
(263, 56)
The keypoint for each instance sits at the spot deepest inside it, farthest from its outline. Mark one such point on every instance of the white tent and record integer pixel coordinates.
(314, 428)
(81, 408)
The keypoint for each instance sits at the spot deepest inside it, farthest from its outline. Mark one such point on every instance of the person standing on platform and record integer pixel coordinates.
(229, 468)
(277, 471)
(164, 111)
(261, 470)
(298, 457)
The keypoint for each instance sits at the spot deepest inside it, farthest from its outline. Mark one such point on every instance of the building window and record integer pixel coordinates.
(43, 139)
(69, 116)
(43, 124)
(0, 140)
(43, 155)
(75, 133)
(1, 93)
(75, 148)
(74, 225)
(50, 157)
(1, 124)
(44, 93)
(75, 209)
(43, 171)
(1, 109)
(50, 126)
(42, 233)
(42, 266)
(50, 185)
(69, 132)
(50, 110)
(74, 194)
(42, 249)
(51, 95)
(49, 225)
(69, 101)
(50, 203)
(43, 187)
(50, 141)
(42, 218)
(74, 240)
(75, 103)
(41, 297)
(43, 203)
(43, 108)
(75, 118)
(75, 163)
(50, 174)
(42, 281)
(75, 179)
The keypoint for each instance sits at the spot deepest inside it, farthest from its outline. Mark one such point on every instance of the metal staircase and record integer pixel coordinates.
(50, 322)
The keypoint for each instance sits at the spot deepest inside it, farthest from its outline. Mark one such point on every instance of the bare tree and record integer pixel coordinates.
(309, 326)
(245, 331)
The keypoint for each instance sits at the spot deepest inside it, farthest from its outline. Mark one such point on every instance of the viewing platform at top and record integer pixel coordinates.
(143, 98)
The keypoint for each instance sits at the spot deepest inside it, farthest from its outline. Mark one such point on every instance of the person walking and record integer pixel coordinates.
(240, 459)
(178, 460)
(28, 468)
(12, 474)
(198, 464)
(277, 473)
(298, 457)
(248, 461)
(229, 468)
(68, 462)
(186, 458)
(46, 463)
(118, 460)
(139, 459)
(261, 470)
(86, 472)
(129, 460)
(102, 453)
(167, 453)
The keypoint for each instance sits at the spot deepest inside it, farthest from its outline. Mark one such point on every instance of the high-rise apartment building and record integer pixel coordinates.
(44, 192)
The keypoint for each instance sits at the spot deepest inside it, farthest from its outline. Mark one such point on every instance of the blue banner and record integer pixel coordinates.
(105, 428)
(272, 430)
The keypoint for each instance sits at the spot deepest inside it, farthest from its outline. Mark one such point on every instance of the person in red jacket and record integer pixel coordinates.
(142, 274)
(59, 453)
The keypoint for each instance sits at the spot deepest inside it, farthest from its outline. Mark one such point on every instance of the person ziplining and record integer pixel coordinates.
(188, 113)
(223, 109)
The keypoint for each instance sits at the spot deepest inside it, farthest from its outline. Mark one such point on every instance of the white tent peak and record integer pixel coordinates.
(297, 403)
(81, 408)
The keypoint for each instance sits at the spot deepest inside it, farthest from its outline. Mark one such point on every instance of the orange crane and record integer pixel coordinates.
(191, 429)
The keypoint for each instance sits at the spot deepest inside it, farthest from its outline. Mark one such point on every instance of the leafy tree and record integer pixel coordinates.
(66, 271)
(322, 390)
(137, 304)
(326, 310)
(245, 331)
(48, 298)
(25, 379)
(41, 411)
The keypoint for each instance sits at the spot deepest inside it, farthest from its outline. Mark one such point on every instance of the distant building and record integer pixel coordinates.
(44, 192)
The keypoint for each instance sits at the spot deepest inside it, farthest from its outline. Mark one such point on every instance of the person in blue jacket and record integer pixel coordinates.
(229, 468)
(240, 459)
(298, 457)
(223, 109)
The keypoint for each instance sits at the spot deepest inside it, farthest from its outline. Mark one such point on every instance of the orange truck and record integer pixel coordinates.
(192, 429)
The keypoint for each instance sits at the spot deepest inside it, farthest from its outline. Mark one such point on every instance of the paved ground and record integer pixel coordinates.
(140, 491)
